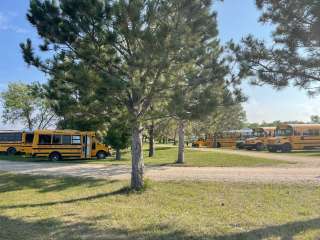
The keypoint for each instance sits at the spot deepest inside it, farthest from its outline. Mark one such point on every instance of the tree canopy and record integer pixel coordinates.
(293, 57)
(25, 104)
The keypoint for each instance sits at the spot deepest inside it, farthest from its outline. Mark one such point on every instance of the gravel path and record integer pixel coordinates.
(122, 172)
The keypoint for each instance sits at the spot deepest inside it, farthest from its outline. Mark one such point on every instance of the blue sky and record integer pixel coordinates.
(236, 19)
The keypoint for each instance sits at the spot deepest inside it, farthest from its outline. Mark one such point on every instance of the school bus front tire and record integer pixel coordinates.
(55, 156)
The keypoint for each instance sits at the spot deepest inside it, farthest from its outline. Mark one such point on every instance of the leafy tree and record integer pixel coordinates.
(131, 47)
(196, 100)
(294, 56)
(26, 104)
(166, 130)
(226, 118)
(222, 119)
(118, 136)
(193, 103)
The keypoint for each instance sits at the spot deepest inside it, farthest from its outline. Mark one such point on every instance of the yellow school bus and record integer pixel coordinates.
(260, 138)
(60, 144)
(231, 139)
(12, 142)
(201, 142)
(295, 137)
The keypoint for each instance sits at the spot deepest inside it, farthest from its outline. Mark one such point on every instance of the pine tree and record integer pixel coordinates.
(131, 47)
(294, 56)
(118, 136)
(72, 91)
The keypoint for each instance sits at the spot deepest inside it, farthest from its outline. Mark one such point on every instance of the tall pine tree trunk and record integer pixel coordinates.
(181, 131)
(151, 140)
(118, 154)
(137, 158)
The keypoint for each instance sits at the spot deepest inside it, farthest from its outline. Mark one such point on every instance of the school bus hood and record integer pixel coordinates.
(276, 140)
(251, 140)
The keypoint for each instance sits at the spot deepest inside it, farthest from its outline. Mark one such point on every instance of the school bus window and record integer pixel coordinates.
(10, 137)
(94, 146)
(66, 139)
(317, 132)
(76, 140)
(56, 139)
(44, 139)
(284, 132)
(297, 133)
(29, 137)
(306, 133)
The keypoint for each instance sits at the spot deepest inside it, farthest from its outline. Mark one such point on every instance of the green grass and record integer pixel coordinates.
(167, 155)
(34, 207)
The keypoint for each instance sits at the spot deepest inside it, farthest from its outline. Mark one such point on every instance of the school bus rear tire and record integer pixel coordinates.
(260, 147)
(11, 151)
(55, 156)
(101, 155)
(286, 148)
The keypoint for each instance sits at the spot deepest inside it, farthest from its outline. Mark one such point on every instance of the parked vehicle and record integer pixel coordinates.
(200, 143)
(225, 139)
(60, 144)
(13, 142)
(230, 139)
(260, 137)
(295, 137)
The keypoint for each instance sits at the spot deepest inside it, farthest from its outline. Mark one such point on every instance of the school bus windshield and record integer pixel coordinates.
(258, 133)
(284, 132)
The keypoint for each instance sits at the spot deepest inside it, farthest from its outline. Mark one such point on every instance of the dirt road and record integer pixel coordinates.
(122, 172)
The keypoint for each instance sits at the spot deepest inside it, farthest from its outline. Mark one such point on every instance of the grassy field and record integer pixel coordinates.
(167, 155)
(71, 208)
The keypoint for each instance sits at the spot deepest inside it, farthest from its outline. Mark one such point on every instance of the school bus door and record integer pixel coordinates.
(86, 146)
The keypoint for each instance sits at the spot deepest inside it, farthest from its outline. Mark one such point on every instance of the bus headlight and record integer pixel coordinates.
(278, 141)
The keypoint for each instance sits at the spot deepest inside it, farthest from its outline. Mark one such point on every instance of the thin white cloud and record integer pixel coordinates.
(6, 23)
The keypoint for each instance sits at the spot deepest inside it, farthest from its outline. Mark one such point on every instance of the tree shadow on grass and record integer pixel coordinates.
(284, 232)
(53, 228)
(122, 191)
(12, 182)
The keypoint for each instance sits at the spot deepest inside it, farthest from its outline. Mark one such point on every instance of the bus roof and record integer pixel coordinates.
(265, 128)
(14, 131)
(245, 130)
(301, 126)
(67, 131)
